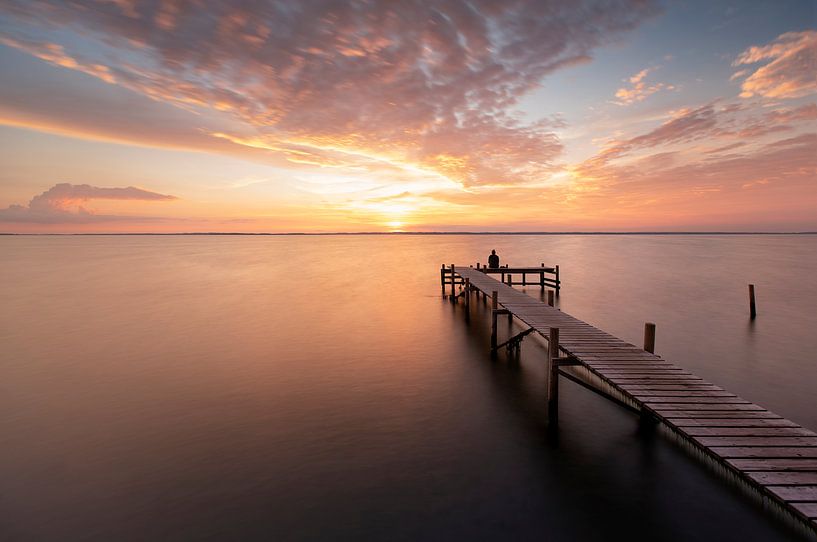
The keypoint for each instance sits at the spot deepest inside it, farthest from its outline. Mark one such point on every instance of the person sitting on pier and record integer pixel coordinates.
(493, 260)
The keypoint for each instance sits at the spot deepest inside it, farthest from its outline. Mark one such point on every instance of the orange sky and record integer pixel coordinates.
(455, 116)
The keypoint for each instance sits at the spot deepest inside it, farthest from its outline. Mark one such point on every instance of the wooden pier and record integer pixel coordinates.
(772, 456)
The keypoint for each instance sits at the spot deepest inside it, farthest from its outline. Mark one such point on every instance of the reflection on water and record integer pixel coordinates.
(319, 387)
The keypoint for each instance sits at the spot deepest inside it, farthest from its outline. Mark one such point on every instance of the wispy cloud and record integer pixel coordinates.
(429, 84)
(638, 90)
(63, 204)
(789, 69)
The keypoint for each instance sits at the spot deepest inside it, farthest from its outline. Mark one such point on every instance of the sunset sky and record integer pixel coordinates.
(263, 116)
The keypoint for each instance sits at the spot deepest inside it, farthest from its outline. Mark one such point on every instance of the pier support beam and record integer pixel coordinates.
(553, 377)
(494, 307)
(752, 308)
(649, 337)
(467, 299)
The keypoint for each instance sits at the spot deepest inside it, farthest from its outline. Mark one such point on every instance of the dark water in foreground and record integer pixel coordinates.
(287, 388)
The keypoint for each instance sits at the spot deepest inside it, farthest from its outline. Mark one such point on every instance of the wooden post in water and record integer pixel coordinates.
(494, 307)
(649, 337)
(553, 376)
(550, 297)
(558, 283)
(467, 299)
(453, 286)
(752, 308)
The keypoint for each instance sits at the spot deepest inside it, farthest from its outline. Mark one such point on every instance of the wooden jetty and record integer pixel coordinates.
(772, 456)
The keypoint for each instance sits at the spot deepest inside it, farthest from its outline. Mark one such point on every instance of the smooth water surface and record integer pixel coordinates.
(296, 388)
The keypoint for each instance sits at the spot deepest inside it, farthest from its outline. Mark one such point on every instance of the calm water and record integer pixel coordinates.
(289, 388)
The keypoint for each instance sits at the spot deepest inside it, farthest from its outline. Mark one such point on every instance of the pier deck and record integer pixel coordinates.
(774, 456)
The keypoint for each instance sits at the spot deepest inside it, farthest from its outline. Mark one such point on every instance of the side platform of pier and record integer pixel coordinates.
(771, 455)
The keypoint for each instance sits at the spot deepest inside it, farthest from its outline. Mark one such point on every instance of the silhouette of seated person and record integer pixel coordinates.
(493, 260)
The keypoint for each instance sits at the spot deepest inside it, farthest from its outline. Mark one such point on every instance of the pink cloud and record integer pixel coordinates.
(62, 203)
(638, 90)
(789, 72)
(405, 82)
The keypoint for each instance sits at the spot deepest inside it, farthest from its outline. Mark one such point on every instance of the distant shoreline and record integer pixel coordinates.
(427, 233)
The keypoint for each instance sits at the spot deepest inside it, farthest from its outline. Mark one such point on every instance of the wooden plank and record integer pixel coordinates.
(777, 478)
(695, 400)
(748, 431)
(732, 422)
(680, 386)
(761, 452)
(670, 415)
(757, 441)
(646, 394)
(782, 465)
(795, 493)
(808, 509)
(685, 406)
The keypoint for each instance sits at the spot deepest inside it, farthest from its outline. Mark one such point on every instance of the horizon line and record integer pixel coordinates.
(217, 233)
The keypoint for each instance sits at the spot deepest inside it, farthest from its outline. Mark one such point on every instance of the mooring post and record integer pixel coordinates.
(467, 298)
(494, 307)
(649, 337)
(752, 308)
(550, 298)
(558, 282)
(553, 375)
(453, 286)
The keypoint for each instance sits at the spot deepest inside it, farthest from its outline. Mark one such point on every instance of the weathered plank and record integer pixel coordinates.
(795, 493)
(732, 422)
(764, 453)
(746, 431)
(757, 441)
(774, 464)
(784, 478)
(808, 509)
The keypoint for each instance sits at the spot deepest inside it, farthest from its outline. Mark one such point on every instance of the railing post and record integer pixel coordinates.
(442, 279)
(524, 279)
(542, 279)
(453, 286)
(494, 307)
(649, 337)
(752, 308)
(558, 282)
(553, 375)
(550, 297)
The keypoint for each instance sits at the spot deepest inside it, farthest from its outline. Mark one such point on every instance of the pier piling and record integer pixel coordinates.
(752, 308)
(553, 377)
(649, 337)
(494, 307)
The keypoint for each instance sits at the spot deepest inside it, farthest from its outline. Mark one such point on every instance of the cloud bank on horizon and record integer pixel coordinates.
(64, 203)
(406, 113)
